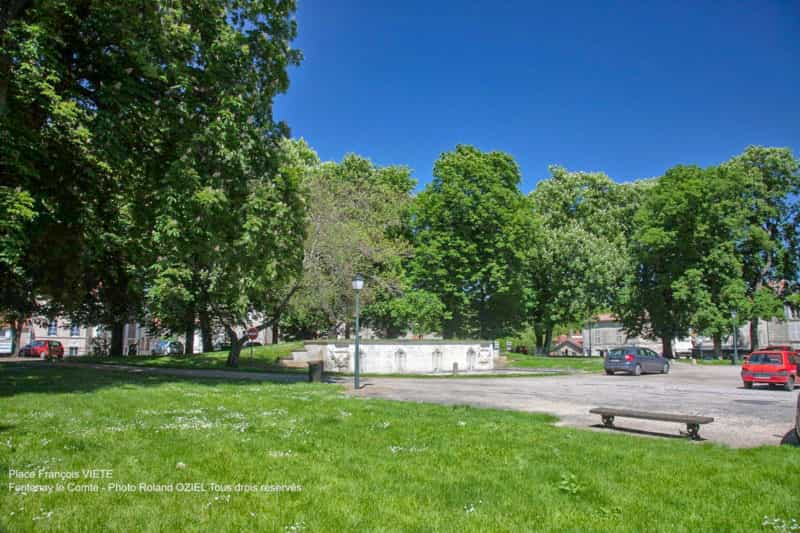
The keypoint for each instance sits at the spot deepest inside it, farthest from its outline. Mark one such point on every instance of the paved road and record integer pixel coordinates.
(743, 418)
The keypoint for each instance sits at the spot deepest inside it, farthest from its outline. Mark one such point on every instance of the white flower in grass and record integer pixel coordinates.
(180, 466)
(295, 528)
(461, 423)
(278, 453)
(470, 507)
(412, 449)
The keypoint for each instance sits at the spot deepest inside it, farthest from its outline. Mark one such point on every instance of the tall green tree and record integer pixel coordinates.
(686, 273)
(356, 225)
(575, 251)
(106, 111)
(770, 250)
(463, 254)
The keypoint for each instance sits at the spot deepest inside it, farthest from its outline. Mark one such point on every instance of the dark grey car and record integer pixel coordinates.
(635, 360)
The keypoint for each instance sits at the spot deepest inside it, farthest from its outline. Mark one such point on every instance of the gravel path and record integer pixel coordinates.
(743, 418)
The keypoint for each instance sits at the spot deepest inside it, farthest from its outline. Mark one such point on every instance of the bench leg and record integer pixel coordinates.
(608, 421)
(693, 430)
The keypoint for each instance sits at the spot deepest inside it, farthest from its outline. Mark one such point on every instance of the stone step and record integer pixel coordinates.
(304, 356)
(288, 362)
(501, 361)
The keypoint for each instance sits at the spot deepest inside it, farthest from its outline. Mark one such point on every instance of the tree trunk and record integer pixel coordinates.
(548, 339)
(236, 349)
(205, 331)
(275, 330)
(537, 332)
(717, 345)
(666, 347)
(16, 336)
(753, 334)
(347, 330)
(189, 345)
(117, 331)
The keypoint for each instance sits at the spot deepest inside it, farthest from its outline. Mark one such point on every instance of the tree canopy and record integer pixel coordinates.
(462, 248)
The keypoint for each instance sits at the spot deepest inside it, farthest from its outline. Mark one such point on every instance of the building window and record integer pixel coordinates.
(73, 350)
(52, 328)
(74, 330)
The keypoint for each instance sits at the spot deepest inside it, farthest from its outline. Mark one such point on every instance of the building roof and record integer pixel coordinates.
(574, 339)
(567, 343)
(605, 317)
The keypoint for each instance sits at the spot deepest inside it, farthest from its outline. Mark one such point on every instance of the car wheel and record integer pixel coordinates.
(610, 372)
(748, 384)
(638, 370)
(665, 370)
(789, 384)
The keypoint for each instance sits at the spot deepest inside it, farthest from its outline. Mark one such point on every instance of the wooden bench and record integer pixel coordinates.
(692, 422)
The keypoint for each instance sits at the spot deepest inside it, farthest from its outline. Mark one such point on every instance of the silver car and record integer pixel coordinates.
(635, 360)
(167, 348)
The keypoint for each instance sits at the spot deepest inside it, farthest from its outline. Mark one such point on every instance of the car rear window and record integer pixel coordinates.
(765, 359)
(37, 343)
(617, 353)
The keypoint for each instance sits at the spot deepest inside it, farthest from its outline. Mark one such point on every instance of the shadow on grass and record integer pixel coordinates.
(26, 378)
(192, 362)
(681, 435)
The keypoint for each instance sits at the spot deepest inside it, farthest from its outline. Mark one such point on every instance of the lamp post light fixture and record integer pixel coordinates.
(735, 335)
(358, 284)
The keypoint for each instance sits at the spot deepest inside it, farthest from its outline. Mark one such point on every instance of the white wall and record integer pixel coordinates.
(400, 358)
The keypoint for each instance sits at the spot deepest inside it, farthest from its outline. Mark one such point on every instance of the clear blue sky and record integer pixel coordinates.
(628, 88)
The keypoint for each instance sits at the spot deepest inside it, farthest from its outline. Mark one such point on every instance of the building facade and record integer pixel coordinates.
(606, 332)
(75, 339)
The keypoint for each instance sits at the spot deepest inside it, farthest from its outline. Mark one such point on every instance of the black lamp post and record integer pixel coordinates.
(358, 284)
(735, 342)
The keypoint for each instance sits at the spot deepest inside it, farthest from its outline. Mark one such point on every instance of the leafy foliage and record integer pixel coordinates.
(575, 248)
(687, 273)
(356, 225)
(464, 252)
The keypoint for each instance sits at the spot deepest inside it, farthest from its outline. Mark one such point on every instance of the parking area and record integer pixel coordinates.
(743, 418)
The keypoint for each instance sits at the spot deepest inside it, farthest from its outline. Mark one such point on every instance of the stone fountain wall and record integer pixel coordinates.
(405, 357)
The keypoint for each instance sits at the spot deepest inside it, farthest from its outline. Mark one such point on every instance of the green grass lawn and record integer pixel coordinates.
(589, 364)
(263, 358)
(359, 465)
(710, 362)
(717, 362)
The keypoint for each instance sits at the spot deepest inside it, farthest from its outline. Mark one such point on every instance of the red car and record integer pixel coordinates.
(42, 349)
(773, 367)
